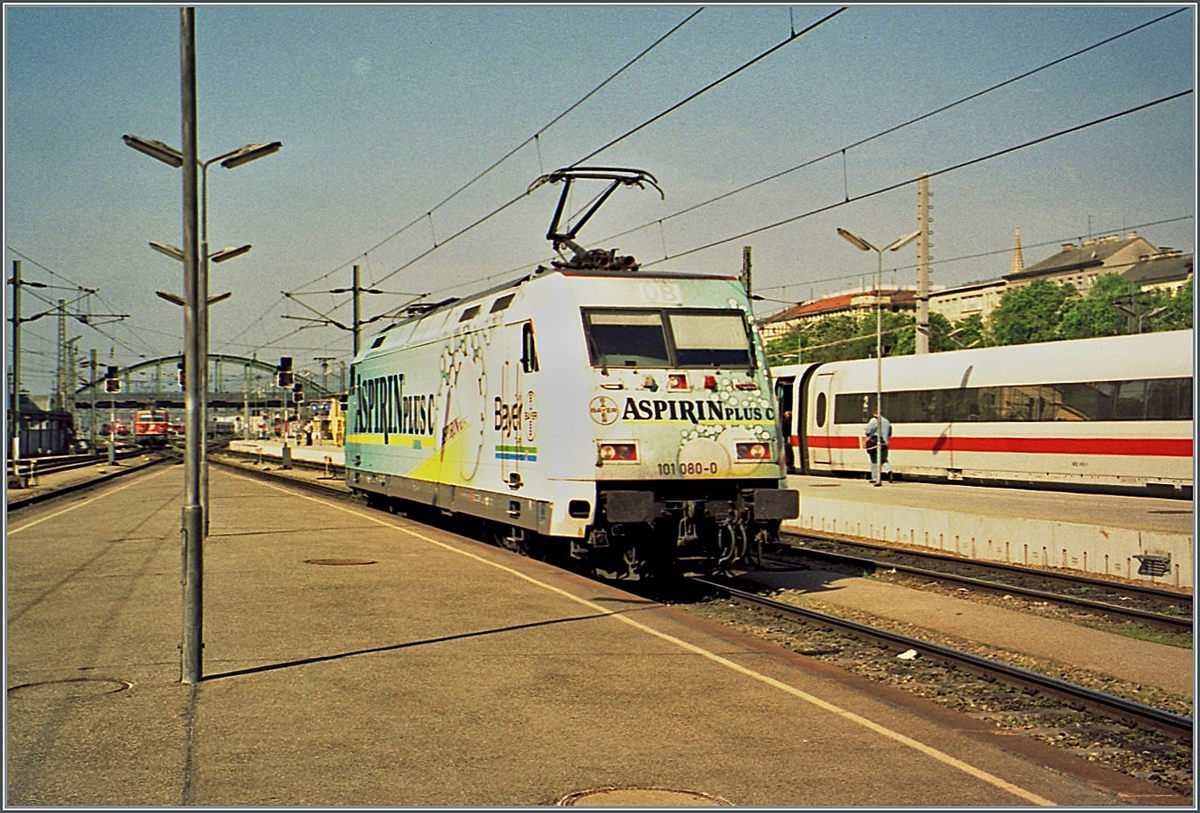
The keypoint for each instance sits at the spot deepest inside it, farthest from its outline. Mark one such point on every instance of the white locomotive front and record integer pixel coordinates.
(620, 419)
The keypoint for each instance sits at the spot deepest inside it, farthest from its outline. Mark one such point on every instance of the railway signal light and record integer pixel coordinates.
(285, 375)
(182, 365)
(111, 382)
(297, 394)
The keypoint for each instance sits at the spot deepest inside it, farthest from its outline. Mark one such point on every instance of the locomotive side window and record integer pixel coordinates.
(714, 339)
(822, 406)
(626, 338)
(529, 362)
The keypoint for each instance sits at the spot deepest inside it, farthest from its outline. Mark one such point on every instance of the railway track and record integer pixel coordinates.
(1168, 610)
(1129, 712)
(43, 495)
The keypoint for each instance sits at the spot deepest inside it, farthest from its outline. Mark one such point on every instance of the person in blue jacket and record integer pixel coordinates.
(876, 438)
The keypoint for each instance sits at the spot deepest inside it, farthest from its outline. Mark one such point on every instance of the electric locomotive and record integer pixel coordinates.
(151, 427)
(589, 411)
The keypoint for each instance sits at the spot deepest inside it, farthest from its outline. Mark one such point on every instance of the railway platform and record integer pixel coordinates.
(47, 482)
(1144, 539)
(352, 657)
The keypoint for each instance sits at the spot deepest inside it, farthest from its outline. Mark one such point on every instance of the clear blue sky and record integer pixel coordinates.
(385, 111)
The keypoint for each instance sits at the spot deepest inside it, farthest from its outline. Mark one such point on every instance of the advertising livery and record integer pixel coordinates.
(622, 419)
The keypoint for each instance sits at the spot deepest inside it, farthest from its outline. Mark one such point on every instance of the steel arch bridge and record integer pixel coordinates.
(233, 382)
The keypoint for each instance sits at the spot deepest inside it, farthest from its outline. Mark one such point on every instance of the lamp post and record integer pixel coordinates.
(195, 323)
(1130, 311)
(863, 245)
(230, 160)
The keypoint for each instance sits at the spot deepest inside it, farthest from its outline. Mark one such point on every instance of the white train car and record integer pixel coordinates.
(618, 418)
(1108, 414)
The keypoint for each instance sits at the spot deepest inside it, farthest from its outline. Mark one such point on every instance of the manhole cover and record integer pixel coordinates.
(71, 687)
(641, 797)
(338, 562)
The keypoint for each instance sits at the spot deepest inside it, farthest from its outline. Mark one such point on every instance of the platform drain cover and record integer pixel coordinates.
(340, 561)
(641, 797)
(71, 687)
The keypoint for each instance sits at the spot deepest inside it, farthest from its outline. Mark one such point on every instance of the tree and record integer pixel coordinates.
(1180, 310)
(960, 335)
(1031, 313)
(834, 339)
(1096, 314)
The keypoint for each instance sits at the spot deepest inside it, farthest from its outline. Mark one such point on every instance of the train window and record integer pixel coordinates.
(529, 362)
(502, 303)
(853, 407)
(469, 313)
(1167, 399)
(1131, 401)
(713, 339)
(625, 338)
(822, 408)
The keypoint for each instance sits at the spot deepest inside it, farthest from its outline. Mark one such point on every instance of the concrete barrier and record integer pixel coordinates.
(1140, 554)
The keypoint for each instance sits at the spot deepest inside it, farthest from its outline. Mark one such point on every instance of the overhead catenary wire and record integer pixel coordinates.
(860, 142)
(794, 35)
(962, 257)
(897, 127)
(531, 139)
(71, 285)
(535, 138)
(792, 38)
(944, 171)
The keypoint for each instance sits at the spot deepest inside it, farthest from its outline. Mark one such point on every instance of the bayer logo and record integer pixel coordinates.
(603, 410)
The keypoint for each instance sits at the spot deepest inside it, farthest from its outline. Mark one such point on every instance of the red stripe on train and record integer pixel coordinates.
(1121, 447)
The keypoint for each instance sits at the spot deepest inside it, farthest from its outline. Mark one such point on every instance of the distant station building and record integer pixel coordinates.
(1144, 265)
(1167, 271)
(1081, 264)
(855, 303)
(43, 428)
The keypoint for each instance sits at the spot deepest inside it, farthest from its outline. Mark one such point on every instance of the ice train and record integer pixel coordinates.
(590, 411)
(1107, 414)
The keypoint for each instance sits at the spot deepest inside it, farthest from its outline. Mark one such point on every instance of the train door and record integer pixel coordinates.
(820, 428)
(515, 408)
(785, 412)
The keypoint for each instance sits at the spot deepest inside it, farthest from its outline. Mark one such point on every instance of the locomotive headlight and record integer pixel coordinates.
(677, 381)
(753, 451)
(618, 452)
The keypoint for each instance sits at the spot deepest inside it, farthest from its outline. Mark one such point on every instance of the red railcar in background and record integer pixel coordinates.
(151, 428)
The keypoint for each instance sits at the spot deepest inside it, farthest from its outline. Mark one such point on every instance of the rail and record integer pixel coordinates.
(935, 565)
(1131, 713)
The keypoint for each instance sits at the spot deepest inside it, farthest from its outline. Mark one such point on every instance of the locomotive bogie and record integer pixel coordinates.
(619, 418)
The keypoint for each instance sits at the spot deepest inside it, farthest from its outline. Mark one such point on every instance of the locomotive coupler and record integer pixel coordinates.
(687, 532)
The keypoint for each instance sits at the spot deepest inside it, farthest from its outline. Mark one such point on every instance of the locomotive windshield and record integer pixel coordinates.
(656, 338)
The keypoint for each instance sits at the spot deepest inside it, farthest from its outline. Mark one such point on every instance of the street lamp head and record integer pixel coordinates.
(164, 248)
(155, 149)
(855, 240)
(901, 242)
(229, 253)
(249, 153)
